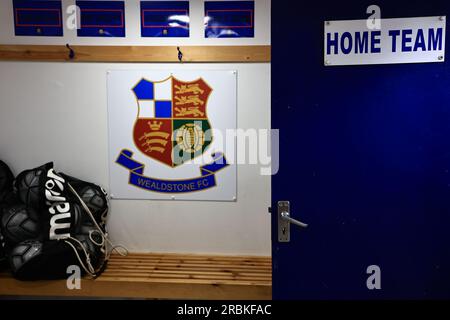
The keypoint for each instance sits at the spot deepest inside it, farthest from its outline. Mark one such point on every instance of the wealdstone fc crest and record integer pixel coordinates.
(172, 124)
(172, 127)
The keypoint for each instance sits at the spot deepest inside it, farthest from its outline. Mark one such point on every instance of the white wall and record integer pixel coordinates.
(58, 112)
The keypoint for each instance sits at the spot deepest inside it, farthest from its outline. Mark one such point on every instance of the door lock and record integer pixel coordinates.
(285, 220)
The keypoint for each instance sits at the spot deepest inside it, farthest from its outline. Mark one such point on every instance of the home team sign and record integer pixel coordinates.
(405, 40)
(166, 134)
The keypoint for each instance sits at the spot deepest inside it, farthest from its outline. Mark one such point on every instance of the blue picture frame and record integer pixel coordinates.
(165, 19)
(38, 18)
(101, 19)
(229, 19)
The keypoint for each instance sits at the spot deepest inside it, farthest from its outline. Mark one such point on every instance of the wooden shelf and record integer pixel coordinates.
(165, 276)
(158, 54)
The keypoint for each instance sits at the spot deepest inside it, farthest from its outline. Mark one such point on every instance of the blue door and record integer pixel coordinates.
(364, 160)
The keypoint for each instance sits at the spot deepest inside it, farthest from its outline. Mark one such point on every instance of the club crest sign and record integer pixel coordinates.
(172, 124)
(170, 131)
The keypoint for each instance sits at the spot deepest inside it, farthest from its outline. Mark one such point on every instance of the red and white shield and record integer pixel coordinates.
(172, 125)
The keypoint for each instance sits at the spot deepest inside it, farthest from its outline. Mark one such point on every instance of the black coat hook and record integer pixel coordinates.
(180, 54)
(71, 52)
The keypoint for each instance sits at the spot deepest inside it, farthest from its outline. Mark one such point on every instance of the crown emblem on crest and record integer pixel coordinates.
(154, 125)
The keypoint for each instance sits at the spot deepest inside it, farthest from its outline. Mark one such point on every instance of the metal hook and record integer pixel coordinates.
(71, 52)
(180, 54)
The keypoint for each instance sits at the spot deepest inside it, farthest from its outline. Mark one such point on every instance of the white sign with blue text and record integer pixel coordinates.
(400, 40)
(168, 134)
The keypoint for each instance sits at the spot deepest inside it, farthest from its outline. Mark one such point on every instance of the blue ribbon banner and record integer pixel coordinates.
(207, 179)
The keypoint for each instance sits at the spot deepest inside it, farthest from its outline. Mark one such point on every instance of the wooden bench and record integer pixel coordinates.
(162, 276)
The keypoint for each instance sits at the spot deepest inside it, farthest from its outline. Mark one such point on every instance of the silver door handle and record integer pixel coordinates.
(286, 216)
(285, 220)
